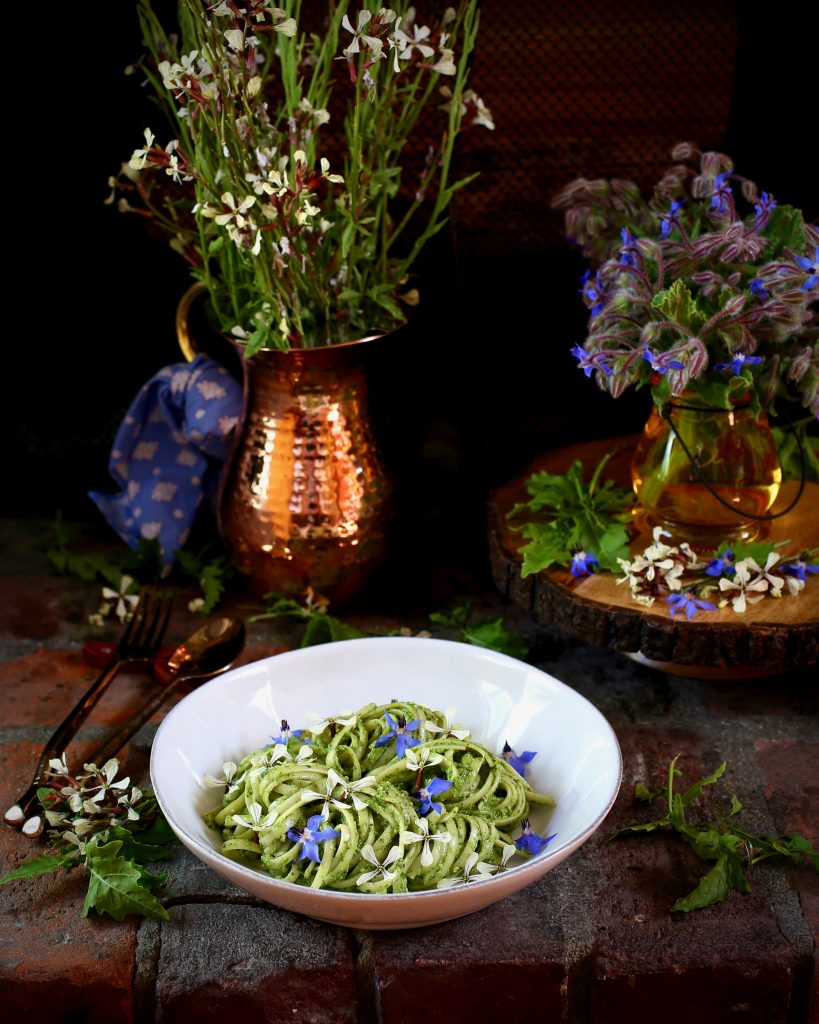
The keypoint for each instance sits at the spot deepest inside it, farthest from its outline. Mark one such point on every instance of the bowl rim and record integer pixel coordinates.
(531, 866)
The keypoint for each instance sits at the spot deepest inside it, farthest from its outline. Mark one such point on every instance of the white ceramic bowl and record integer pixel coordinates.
(498, 698)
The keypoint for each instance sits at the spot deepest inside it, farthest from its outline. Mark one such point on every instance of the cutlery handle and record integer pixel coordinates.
(59, 739)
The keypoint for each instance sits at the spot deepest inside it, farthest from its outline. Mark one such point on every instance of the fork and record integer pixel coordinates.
(140, 643)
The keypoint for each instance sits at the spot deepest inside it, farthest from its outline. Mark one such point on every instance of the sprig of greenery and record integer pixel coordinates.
(321, 627)
(565, 515)
(732, 849)
(485, 632)
(98, 825)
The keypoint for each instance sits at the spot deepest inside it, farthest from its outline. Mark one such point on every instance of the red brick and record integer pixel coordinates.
(56, 965)
(795, 694)
(257, 965)
(726, 962)
(494, 965)
(37, 607)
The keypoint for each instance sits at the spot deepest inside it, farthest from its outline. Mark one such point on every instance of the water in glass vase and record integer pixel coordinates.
(729, 474)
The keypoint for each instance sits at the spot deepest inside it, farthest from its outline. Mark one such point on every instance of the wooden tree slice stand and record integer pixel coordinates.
(771, 637)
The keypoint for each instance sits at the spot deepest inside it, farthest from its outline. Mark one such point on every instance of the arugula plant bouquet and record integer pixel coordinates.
(281, 182)
(708, 287)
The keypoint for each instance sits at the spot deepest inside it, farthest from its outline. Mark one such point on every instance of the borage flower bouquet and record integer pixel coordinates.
(705, 293)
(282, 181)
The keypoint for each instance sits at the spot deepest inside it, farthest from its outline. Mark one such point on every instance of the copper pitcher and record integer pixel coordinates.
(305, 500)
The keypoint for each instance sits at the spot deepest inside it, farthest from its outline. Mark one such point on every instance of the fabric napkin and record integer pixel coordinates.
(168, 452)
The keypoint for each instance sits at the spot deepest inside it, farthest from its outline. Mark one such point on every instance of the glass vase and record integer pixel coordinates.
(705, 473)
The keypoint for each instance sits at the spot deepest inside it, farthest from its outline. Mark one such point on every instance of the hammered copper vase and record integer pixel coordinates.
(305, 501)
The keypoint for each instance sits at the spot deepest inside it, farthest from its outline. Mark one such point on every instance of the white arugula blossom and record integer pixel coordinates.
(280, 752)
(58, 765)
(254, 819)
(128, 803)
(107, 777)
(424, 836)
(748, 590)
(139, 158)
(446, 730)
(473, 871)
(507, 853)
(775, 582)
(345, 719)
(418, 758)
(229, 770)
(348, 790)
(379, 867)
(122, 601)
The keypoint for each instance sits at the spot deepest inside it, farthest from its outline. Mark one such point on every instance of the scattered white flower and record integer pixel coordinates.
(254, 819)
(424, 836)
(122, 600)
(380, 867)
(748, 590)
(473, 871)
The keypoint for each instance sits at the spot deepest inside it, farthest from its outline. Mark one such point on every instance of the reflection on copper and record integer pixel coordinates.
(306, 499)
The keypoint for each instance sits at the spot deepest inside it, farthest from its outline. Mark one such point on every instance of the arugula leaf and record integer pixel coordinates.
(115, 885)
(489, 633)
(38, 866)
(211, 575)
(730, 849)
(321, 628)
(580, 517)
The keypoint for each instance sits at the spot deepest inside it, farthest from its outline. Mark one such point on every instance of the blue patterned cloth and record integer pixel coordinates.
(168, 452)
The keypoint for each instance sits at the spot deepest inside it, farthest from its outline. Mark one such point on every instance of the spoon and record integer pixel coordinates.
(208, 652)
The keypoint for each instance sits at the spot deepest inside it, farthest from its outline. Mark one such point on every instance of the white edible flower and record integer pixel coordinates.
(473, 871)
(140, 156)
(446, 730)
(58, 765)
(418, 758)
(229, 770)
(128, 802)
(748, 591)
(254, 819)
(380, 866)
(424, 836)
(346, 718)
(123, 601)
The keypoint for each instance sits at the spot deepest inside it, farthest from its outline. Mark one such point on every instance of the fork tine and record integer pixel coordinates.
(161, 619)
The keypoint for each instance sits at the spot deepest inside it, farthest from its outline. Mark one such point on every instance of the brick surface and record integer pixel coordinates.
(493, 965)
(254, 964)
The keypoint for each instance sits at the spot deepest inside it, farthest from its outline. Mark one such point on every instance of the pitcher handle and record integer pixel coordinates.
(183, 334)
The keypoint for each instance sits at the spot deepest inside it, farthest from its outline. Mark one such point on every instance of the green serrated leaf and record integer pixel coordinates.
(493, 635)
(679, 306)
(695, 792)
(642, 792)
(785, 230)
(135, 848)
(115, 887)
(736, 805)
(725, 876)
(38, 866)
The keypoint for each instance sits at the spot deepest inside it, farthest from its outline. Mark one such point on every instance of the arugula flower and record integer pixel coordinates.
(122, 600)
(332, 722)
(446, 731)
(380, 867)
(229, 769)
(748, 590)
(474, 870)
(424, 836)
(348, 789)
(517, 761)
(529, 841)
(304, 755)
(254, 820)
(399, 731)
(426, 793)
(309, 837)
(418, 760)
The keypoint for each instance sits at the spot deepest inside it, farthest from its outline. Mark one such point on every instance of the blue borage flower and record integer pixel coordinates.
(722, 565)
(517, 761)
(737, 361)
(670, 218)
(427, 792)
(309, 837)
(757, 288)
(399, 731)
(689, 604)
(593, 292)
(529, 841)
(628, 254)
(583, 563)
(798, 569)
(812, 267)
(660, 363)
(722, 195)
(590, 361)
(287, 734)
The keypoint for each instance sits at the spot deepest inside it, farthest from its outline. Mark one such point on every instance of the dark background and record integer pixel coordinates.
(485, 381)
